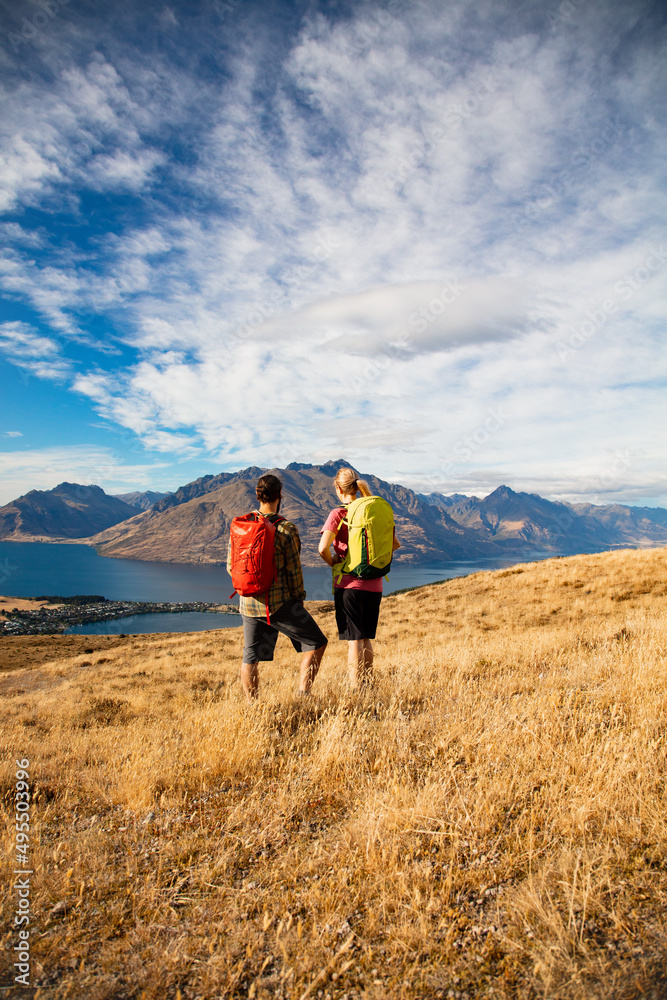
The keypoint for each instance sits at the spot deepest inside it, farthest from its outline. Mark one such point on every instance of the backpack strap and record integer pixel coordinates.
(337, 574)
(337, 568)
(273, 519)
(343, 519)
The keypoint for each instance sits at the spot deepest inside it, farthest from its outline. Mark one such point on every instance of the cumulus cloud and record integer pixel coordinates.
(422, 317)
(44, 468)
(394, 220)
(612, 480)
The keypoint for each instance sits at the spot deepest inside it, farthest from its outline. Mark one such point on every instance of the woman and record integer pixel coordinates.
(357, 601)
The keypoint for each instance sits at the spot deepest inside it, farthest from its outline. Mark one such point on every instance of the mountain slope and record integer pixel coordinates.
(70, 510)
(192, 524)
(516, 520)
(627, 525)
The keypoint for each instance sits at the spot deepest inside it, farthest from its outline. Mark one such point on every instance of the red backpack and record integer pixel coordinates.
(252, 541)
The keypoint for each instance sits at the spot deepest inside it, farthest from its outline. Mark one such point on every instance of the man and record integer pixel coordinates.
(283, 604)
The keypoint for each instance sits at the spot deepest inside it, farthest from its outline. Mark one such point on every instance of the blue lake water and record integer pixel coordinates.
(32, 569)
(182, 621)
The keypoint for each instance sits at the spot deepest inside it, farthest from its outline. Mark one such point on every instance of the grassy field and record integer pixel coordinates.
(490, 822)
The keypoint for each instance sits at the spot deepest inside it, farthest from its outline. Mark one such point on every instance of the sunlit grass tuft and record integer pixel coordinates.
(489, 821)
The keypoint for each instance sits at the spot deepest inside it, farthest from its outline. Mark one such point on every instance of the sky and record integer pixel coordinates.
(427, 237)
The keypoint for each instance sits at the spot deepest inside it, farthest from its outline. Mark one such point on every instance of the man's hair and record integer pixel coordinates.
(268, 489)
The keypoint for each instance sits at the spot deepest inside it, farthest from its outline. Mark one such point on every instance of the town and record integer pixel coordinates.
(47, 621)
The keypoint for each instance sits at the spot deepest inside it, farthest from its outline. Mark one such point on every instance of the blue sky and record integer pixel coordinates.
(426, 237)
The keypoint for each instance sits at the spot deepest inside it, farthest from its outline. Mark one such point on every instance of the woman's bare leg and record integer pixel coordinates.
(360, 662)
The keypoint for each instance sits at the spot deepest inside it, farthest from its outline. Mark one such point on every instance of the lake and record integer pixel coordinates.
(32, 569)
(178, 621)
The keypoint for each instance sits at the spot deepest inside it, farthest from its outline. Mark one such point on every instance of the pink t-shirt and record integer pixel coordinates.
(340, 550)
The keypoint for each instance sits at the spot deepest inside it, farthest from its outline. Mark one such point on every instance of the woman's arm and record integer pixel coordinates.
(324, 547)
(396, 544)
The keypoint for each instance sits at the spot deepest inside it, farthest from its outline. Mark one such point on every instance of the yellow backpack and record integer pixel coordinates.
(370, 525)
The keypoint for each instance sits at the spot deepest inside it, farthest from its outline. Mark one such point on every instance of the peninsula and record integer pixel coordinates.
(21, 617)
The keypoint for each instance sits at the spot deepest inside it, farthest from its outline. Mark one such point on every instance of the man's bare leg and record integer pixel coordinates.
(250, 680)
(360, 662)
(310, 664)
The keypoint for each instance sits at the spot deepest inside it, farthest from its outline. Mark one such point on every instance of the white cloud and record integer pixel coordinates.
(122, 170)
(611, 478)
(92, 128)
(27, 349)
(24, 171)
(18, 340)
(13, 233)
(419, 318)
(44, 468)
(286, 289)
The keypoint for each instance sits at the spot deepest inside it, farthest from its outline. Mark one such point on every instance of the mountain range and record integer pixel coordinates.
(513, 519)
(68, 511)
(191, 525)
(141, 500)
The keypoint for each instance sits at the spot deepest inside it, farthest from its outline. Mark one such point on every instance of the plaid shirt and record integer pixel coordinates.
(289, 578)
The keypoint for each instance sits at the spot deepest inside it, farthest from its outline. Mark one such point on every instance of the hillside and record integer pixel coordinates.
(516, 520)
(626, 525)
(490, 822)
(70, 510)
(192, 524)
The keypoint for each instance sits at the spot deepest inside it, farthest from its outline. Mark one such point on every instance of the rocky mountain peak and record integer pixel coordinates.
(501, 493)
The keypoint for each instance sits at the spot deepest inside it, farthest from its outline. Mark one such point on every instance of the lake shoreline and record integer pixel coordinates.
(152, 590)
(53, 619)
(513, 551)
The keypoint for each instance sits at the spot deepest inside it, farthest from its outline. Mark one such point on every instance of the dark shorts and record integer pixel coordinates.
(292, 619)
(357, 613)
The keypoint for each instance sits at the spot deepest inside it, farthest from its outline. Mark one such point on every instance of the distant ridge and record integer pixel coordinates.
(69, 510)
(515, 520)
(142, 501)
(191, 525)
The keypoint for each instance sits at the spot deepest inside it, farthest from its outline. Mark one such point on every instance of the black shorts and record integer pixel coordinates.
(292, 619)
(357, 612)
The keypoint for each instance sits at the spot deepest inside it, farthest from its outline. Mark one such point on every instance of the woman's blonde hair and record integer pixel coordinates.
(347, 482)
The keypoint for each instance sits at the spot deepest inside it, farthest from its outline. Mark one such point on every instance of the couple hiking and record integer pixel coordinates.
(265, 546)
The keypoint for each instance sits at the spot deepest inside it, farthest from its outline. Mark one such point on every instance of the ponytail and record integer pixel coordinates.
(347, 482)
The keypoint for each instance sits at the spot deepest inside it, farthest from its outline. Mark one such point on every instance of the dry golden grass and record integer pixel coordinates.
(23, 604)
(489, 823)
